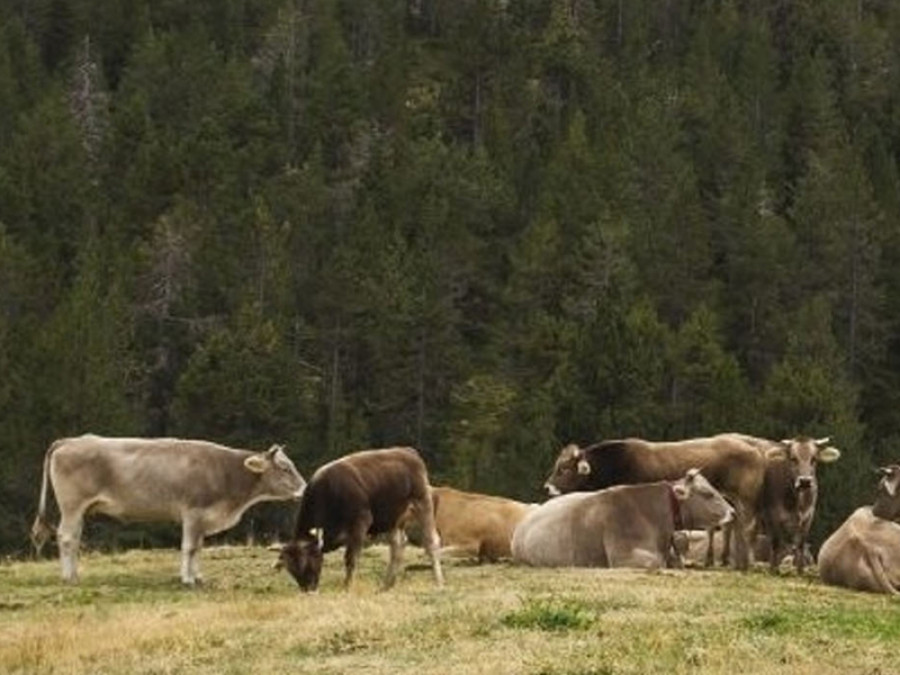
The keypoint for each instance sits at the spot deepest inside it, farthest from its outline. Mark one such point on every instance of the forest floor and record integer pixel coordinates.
(130, 614)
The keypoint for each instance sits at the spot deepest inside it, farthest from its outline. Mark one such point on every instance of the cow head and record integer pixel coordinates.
(702, 506)
(887, 503)
(303, 560)
(570, 471)
(278, 477)
(802, 455)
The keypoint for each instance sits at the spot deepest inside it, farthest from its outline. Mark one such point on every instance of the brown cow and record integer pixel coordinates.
(204, 486)
(622, 526)
(731, 465)
(788, 498)
(370, 492)
(864, 552)
(476, 525)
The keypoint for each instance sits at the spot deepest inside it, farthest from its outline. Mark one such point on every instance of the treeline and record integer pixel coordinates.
(481, 227)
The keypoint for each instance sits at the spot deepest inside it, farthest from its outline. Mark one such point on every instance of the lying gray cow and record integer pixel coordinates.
(624, 526)
(204, 486)
(864, 552)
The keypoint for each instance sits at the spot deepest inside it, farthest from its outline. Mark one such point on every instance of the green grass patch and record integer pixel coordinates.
(551, 614)
(837, 622)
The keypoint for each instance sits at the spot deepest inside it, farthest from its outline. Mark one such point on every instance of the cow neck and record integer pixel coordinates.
(886, 507)
(676, 509)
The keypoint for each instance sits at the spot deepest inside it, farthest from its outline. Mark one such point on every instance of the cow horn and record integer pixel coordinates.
(275, 448)
(823, 441)
(277, 546)
(889, 486)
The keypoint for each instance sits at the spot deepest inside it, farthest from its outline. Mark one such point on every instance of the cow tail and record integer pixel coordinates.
(41, 530)
(881, 577)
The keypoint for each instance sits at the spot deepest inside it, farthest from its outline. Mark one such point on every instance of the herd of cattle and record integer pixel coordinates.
(618, 503)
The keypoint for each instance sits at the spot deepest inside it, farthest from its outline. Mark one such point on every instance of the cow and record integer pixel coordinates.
(622, 526)
(788, 498)
(864, 552)
(476, 525)
(202, 485)
(732, 466)
(369, 492)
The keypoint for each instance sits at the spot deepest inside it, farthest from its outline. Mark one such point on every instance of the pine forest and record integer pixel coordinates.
(484, 228)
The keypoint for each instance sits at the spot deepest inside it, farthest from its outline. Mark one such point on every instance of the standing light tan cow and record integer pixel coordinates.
(476, 525)
(204, 486)
(622, 526)
(864, 552)
(732, 466)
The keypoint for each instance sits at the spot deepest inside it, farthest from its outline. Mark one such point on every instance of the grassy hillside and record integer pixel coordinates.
(130, 615)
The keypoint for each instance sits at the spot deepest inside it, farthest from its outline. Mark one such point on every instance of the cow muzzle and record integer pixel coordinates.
(803, 482)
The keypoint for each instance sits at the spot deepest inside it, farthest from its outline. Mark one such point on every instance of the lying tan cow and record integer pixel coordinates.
(476, 525)
(864, 552)
(623, 526)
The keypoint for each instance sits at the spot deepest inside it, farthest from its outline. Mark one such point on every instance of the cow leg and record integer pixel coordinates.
(355, 540)
(397, 540)
(191, 543)
(710, 548)
(800, 553)
(430, 537)
(69, 539)
(726, 543)
(638, 557)
(776, 553)
(741, 549)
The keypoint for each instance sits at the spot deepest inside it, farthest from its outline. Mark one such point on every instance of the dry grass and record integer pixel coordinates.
(130, 615)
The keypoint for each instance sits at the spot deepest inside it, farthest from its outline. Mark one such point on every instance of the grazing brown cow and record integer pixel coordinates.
(622, 526)
(731, 465)
(864, 552)
(365, 493)
(204, 486)
(476, 525)
(788, 498)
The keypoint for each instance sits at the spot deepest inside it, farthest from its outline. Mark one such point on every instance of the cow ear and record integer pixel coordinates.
(257, 463)
(829, 454)
(584, 468)
(889, 486)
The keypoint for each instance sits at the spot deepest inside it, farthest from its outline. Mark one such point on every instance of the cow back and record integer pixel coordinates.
(726, 462)
(383, 482)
